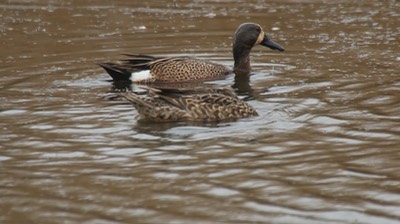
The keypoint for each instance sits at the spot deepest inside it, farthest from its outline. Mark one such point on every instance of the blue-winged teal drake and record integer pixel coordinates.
(148, 69)
(190, 105)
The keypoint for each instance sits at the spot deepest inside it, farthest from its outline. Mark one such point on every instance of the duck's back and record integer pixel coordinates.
(149, 69)
(186, 70)
(190, 105)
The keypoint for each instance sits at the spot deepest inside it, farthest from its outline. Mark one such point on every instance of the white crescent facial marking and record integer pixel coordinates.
(140, 75)
(260, 37)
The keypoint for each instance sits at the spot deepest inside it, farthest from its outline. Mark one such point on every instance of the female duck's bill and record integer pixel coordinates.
(148, 69)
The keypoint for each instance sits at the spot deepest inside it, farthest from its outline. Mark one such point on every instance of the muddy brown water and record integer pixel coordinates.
(325, 148)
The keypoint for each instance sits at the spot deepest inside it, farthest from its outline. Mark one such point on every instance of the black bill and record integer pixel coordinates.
(269, 43)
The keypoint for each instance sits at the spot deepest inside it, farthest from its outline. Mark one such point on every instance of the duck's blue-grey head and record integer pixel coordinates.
(245, 38)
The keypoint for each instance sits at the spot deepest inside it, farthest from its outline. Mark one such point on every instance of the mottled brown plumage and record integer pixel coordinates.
(165, 69)
(190, 105)
(185, 69)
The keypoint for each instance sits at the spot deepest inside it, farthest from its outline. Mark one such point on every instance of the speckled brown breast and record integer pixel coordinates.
(186, 69)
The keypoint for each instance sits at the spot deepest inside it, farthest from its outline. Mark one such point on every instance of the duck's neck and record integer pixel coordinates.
(241, 55)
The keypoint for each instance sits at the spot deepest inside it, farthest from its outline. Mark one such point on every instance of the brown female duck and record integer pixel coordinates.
(190, 105)
(149, 69)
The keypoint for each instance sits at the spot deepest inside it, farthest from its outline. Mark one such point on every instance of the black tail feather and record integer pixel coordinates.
(139, 61)
(116, 72)
(122, 71)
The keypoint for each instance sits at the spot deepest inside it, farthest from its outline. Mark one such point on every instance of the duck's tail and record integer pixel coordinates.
(137, 100)
(116, 71)
(123, 70)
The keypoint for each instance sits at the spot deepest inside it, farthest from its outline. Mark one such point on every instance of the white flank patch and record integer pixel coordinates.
(140, 75)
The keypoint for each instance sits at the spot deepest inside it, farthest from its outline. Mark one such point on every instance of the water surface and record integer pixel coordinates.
(325, 148)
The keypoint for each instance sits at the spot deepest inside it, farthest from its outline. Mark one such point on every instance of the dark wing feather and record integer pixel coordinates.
(122, 70)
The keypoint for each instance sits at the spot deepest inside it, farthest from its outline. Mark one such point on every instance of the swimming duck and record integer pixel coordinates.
(150, 69)
(203, 104)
